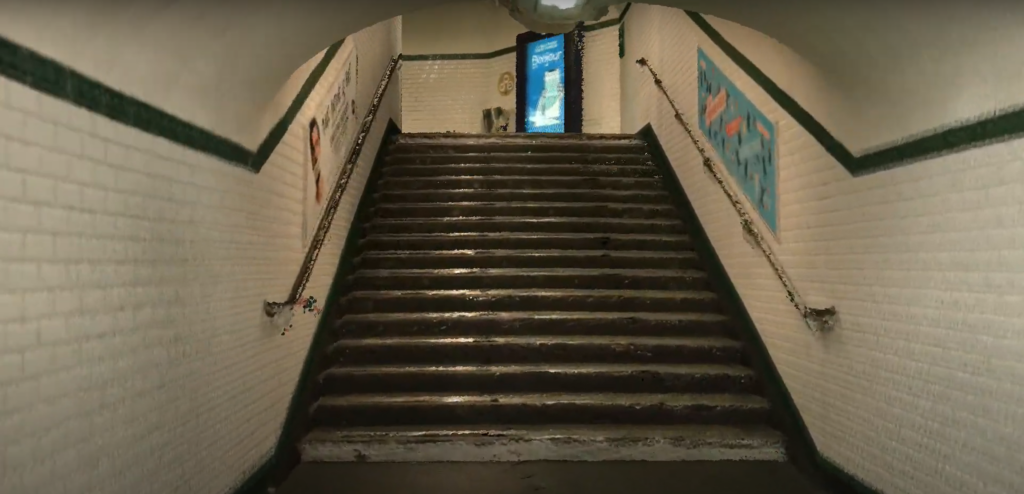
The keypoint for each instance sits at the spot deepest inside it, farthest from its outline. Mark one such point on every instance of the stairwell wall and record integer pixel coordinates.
(455, 55)
(916, 390)
(134, 356)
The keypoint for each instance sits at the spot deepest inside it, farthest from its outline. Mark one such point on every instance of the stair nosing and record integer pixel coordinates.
(690, 273)
(552, 368)
(695, 294)
(589, 236)
(526, 219)
(530, 252)
(667, 341)
(519, 177)
(401, 205)
(747, 400)
(661, 316)
(527, 431)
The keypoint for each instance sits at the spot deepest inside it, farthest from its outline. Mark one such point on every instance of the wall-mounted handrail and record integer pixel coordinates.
(816, 319)
(272, 309)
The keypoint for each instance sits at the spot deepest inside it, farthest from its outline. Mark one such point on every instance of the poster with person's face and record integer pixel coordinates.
(545, 85)
(331, 132)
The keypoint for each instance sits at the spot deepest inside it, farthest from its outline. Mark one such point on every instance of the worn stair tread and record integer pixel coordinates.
(554, 442)
(668, 341)
(458, 137)
(563, 178)
(417, 205)
(527, 166)
(685, 273)
(465, 158)
(557, 136)
(696, 433)
(659, 193)
(548, 368)
(679, 400)
(689, 294)
(588, 236)
(529, 253)
(532, 219)
(657, 316)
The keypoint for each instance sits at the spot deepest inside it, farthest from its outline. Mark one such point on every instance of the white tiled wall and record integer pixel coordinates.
(918, 390)
(449, 95)
(133, 352)
(601, 81)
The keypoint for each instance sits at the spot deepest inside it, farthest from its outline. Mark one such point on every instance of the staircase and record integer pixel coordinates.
(532, 297)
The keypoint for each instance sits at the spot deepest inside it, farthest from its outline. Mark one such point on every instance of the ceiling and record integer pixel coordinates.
(219, 64)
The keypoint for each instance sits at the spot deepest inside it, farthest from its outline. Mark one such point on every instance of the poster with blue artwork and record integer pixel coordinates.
(743, 137)
(545, 85)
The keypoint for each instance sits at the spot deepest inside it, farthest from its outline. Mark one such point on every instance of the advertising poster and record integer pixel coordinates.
(545, 85)
(743, 137)
(330, 134)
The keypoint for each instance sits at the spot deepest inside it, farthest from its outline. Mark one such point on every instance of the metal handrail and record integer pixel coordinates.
(816, 319)
(272, 309)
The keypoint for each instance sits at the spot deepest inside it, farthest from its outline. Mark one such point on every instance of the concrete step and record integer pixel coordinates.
(519, 224)
(535, 137)
(525, 210)
(527, 259)
(502, 443)
(366, 302)
(538, 378)
(513, 195)
(492, 145)
(527, 241)
(426, 409)
(523, 323)
(516, 278)
(518, 170)
(489, 158)
(565, 349)
(534, 183)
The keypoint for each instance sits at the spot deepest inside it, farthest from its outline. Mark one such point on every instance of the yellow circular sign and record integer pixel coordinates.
(506, 83)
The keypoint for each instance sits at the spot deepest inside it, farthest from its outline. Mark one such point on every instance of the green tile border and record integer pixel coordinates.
(509, 49)
(802, 450)
(459, 56)
(997, 127)
(46, 75)
(278, 131)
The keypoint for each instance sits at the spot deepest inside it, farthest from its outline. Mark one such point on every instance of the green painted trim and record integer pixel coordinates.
(278, 131)
(460, 56)
(803, 452)
(285, 455)
(509, 49)
(46, 75)
(982, 131)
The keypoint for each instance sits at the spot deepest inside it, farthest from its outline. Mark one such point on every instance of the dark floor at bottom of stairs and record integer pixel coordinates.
(693, 477)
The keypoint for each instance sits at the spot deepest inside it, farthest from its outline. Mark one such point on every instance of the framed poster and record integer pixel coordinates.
(330, 133)
(744, 138)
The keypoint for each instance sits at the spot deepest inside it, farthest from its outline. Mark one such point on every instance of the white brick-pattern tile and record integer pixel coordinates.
(450, 95)
(601, 81)
(133, 353)
(918, 390)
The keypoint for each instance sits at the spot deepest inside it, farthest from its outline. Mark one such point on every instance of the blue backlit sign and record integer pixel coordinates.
(545, 85)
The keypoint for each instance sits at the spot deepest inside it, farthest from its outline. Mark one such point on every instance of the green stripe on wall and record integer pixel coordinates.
(509, 49)
(279, 129)
(998, 127)
(46, 75)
